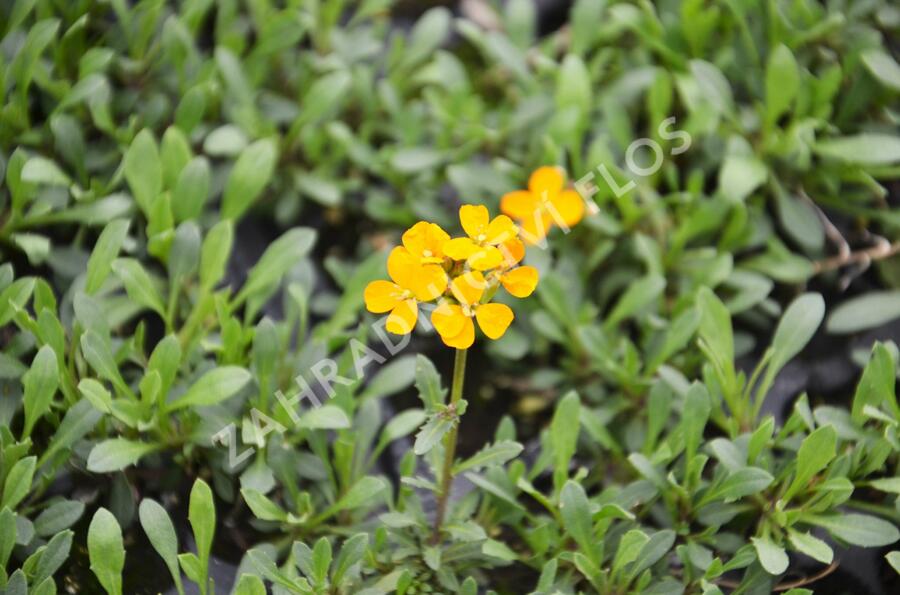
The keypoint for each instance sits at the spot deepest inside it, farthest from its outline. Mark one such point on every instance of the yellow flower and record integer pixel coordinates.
(544, 203)
(479, 249)
(426, 241)
(519, 281)
(454, 321)
(412, 283)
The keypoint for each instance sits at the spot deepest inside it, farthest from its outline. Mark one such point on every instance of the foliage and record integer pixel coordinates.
(195, 196)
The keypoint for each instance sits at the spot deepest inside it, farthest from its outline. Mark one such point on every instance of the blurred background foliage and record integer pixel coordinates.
(195, 194)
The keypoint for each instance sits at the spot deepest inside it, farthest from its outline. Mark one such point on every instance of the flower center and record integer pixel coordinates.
(467, 310)
(481, 237)
(427, 253)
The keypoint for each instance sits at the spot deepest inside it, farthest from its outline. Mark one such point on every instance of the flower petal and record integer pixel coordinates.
(460, 248)
(568, 207)
(402, 319)
(425, 241)
(382, 296)
(518, 204)
(474, 219)
(448, 319)
(546, 182)
(429, 282)
(465, 338)
(520, 281)
(501, 229)
(402, 266)
(486, 258)
(468, 287)
(494, 319)
(513, 252)
(535, 227)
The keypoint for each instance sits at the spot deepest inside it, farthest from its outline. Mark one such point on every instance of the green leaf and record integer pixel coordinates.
(58, 517)
(391, 378)
(432, 432)
(40, 383)
(250, 584)
(116, 454)
(202, 515)
(816, 451)
(161, 533)
(576, 515)
(636, 297)
(813, 547)
(352, 552)
(78, 421)
(877, 385)
(893, 559)
(400, 425)
(215, 252)
(277, 260)
(782, 82)
(857, 529)
(696, 412)
(883, 67)
(106, 552)
(428, 383)
(326, 417)
(867, 311)
(740, 175)
(184, 257)
(138, 284)
(772, 557)
(40, 170)
(213, 387)
(491, 455)
(365, 492)
(862, 149)
(105, 252)
(191, 190)
(18, 482)
(250, 174)
(564, 430)
(143, 169)
(796, 327)
(54, 555)
(262, 507)
(740, 483)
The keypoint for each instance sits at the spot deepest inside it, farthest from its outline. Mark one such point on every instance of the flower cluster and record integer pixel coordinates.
(461, 275)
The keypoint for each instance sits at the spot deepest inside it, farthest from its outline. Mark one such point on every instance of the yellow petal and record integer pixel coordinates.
(402, 319)
(494, 319)
(513, 252)
(535, 227)
(519, 204)
(425, 241)
(460, 248)
(402, 266)
(567, 208)
(429, 282)
(448, 319)
(474, 219)
(486, 258)
(501, 229)
(465, 338)
(546, 182)
(381, 296)
(520, 281)
(468, 287)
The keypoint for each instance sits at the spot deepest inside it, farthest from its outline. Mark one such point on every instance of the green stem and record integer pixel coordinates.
(459, 375)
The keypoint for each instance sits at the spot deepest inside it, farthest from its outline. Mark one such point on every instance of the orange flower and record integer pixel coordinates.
(454, 321)
(426, 241)
(412, 283)
(545, 203)
(479, 249)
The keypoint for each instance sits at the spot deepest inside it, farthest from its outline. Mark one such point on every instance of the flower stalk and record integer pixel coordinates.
(459, 375)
